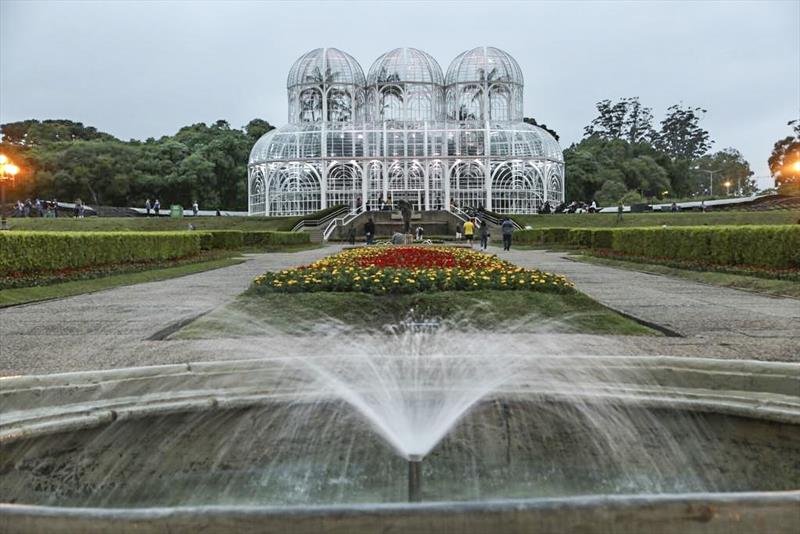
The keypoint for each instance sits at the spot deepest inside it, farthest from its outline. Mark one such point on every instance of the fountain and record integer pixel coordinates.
(532, 434)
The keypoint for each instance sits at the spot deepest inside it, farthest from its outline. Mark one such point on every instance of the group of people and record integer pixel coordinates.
(467, 231)
(155, 206)
(36, 208)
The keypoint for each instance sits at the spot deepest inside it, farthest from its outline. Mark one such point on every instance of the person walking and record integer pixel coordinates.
(484, 233)
(619, 212)
(156, 206)
(195, 208)
(351, 234)
(508, 231)
(147, 207)
(469, 231)
(369, 231)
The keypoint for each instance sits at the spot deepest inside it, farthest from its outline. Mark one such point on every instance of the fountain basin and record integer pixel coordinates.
(228, 444)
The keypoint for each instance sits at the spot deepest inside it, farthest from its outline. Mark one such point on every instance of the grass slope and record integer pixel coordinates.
(518, 311)
(10, 297)
(600, 220)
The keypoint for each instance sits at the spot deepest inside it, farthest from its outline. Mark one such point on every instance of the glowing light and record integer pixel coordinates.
(3, 159)
(796, 166)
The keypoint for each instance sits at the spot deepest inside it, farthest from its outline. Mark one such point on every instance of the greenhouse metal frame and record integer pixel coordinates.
(405, 132)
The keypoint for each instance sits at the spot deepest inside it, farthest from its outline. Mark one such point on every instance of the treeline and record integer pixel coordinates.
(67, 160)
(623, 157)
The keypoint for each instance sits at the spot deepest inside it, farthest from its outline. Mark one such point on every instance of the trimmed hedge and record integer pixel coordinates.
(35, 251)
(774, 246)
(767, 246)
(231, 239)
(51, 251)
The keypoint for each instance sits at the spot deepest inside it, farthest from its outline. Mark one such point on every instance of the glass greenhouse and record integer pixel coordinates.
(405, 131)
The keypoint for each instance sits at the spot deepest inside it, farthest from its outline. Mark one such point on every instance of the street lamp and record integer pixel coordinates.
(7, 172)
(727, 185)
(710, 178)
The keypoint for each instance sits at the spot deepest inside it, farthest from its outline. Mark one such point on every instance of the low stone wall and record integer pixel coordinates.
(745, 513)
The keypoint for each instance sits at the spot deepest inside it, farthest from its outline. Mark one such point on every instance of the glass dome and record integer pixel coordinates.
(484, 64)
(405, 65)
(405, 85)
(339, 68)
(258, 154)
(325, 84)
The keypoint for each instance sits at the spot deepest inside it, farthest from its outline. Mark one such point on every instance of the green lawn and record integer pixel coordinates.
(513, 311)
(89, 224)
(784, 288)
(10, 297)
(596, 220)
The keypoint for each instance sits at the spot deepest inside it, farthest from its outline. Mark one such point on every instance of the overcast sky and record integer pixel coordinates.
(144, 69)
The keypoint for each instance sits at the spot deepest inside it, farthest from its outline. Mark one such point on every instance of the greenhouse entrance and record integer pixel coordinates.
(415, 197)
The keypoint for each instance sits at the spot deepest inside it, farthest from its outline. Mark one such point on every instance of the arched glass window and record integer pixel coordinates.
(344, 185)
(514, 189)
(391, 103)
(310, 105)
(295, 190)
(467, 188)
(258, 193)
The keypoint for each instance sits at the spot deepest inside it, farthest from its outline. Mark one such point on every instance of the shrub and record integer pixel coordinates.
(232, 239)
(269, 238)
(38, 251)
(773, 246)
(767, 246)
(221, 239)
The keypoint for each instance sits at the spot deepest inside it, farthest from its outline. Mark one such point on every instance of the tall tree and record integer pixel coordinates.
(681, 136)
(627, 119)
(784, 162)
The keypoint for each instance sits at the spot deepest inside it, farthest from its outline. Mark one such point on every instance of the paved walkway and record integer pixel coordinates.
(112, 328)
(710, 319)
(109, 328)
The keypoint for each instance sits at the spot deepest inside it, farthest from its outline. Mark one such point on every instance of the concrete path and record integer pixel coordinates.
(711, 319)
(114, 328)
(110, 328)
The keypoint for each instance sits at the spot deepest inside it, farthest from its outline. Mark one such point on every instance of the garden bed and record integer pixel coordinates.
(381, 270)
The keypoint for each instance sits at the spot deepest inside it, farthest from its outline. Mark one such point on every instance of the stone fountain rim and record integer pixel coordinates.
(761, 394)
(735, 509)
(705, 364)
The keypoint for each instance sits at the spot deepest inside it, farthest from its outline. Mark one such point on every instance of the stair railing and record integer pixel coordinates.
(340, 221)
(313, 223)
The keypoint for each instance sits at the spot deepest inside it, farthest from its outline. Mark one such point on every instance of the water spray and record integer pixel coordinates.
(414, 478)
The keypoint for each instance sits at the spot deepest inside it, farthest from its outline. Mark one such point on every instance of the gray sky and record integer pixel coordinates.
(144, 69)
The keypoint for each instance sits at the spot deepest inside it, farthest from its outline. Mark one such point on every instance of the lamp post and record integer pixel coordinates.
(7, 172)
(710, 178)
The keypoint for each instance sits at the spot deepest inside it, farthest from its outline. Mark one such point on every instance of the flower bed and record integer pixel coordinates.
(394, 270)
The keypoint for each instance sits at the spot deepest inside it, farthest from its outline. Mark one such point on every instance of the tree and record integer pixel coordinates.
(34, 132)
(681, 136)
(256, 128)
(731, 167)
(784, 162)
(610, 193)
(68, 160)
(626, 119)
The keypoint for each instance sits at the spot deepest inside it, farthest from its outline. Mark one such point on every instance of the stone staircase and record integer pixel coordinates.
(434, 223)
